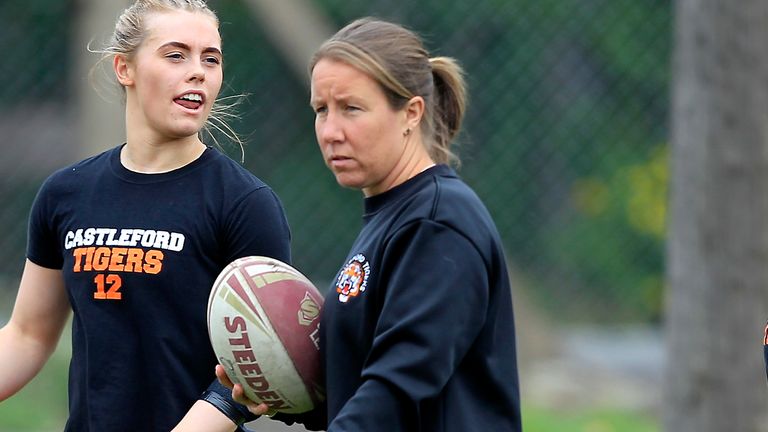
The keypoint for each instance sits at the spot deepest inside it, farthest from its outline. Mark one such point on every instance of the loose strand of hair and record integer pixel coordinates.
(222, 112)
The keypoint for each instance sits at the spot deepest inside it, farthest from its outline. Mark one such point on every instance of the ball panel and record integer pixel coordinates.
(238, 297)
(295, 314)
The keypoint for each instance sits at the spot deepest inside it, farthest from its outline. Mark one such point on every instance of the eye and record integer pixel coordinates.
(352, 108)
(174, 56)
(320, 109)
(212, 60)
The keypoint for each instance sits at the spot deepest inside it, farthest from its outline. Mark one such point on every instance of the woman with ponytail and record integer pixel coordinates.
(417, 331)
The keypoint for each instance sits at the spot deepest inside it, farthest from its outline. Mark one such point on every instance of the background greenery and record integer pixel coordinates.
(565, 141)
(41, 407)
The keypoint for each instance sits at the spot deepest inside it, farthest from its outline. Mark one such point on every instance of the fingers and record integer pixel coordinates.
(221, 375)
(239, 395)
(255, 407)
(262, 409)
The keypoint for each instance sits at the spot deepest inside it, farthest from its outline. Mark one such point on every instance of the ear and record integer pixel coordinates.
(123, 70)
(414, 110)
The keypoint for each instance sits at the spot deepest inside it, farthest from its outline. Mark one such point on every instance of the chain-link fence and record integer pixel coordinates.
(565, 138)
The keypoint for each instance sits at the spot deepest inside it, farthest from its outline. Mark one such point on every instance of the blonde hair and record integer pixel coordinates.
(395, 57)
(130, 32)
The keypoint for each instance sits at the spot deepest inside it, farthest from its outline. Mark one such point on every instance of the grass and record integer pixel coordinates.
(595, 420)
(42, 406)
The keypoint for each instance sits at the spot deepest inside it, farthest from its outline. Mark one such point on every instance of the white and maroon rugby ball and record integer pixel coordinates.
(263, 322)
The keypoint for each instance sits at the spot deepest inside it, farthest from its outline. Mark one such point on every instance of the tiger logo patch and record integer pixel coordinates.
(353, 278)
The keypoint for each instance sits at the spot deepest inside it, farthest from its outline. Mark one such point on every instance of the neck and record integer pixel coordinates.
(149, 152)
(413, 161)
(154, 157)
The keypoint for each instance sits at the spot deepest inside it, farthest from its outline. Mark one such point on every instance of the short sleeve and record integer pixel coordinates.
(257, 225)
(42, 246)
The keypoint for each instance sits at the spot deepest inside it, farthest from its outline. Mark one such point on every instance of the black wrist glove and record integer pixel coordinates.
(221, 398)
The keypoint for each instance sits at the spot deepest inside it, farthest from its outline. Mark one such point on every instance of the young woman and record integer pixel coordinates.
(417, 332)
(132, 239)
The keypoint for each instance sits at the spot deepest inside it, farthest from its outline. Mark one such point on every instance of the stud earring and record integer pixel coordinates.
(407, 132)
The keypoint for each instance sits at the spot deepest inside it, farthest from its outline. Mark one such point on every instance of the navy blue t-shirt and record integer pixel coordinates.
(139, 253)
(417, 331)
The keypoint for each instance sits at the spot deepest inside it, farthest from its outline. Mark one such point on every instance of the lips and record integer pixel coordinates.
(190, 100)
(339, 161)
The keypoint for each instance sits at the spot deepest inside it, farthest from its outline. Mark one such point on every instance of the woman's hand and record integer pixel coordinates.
(239, 395)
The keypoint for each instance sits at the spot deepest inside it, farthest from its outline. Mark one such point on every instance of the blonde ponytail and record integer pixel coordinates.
(450, 105)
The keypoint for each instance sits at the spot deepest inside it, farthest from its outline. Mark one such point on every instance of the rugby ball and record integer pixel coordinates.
(263, 323)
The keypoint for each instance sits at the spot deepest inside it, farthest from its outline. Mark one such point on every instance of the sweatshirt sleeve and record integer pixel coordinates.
(434, 305)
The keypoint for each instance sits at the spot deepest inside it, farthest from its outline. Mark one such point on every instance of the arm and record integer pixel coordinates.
(31, 335)
(313, 420)
(434, 306)
(204, 417)
(255, 226)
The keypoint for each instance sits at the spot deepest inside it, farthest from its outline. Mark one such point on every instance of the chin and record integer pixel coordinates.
(349, 182)
(187, 131)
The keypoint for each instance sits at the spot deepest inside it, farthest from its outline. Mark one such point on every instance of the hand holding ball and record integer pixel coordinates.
(263, 322)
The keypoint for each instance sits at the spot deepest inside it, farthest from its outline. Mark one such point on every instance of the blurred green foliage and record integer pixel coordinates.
(36, 65)
(564, 139)
(568, 109)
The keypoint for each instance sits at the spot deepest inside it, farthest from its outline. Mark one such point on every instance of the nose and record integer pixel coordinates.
(328, 129)
(197, 72)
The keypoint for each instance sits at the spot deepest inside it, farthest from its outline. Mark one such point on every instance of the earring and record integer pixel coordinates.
(407, 132)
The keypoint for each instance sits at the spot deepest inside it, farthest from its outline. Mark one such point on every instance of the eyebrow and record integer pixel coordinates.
(344, 97)
(184, 46)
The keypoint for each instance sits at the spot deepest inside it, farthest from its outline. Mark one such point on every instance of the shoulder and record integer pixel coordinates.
(437, 194)
(453, 191)
(235, 188)
(455, 205)
(450, 198)
(69, 176)
(230, 172)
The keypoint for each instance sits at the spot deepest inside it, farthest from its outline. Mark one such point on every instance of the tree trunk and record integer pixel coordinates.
(100, 100)
(717, 301)
(295, 27)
